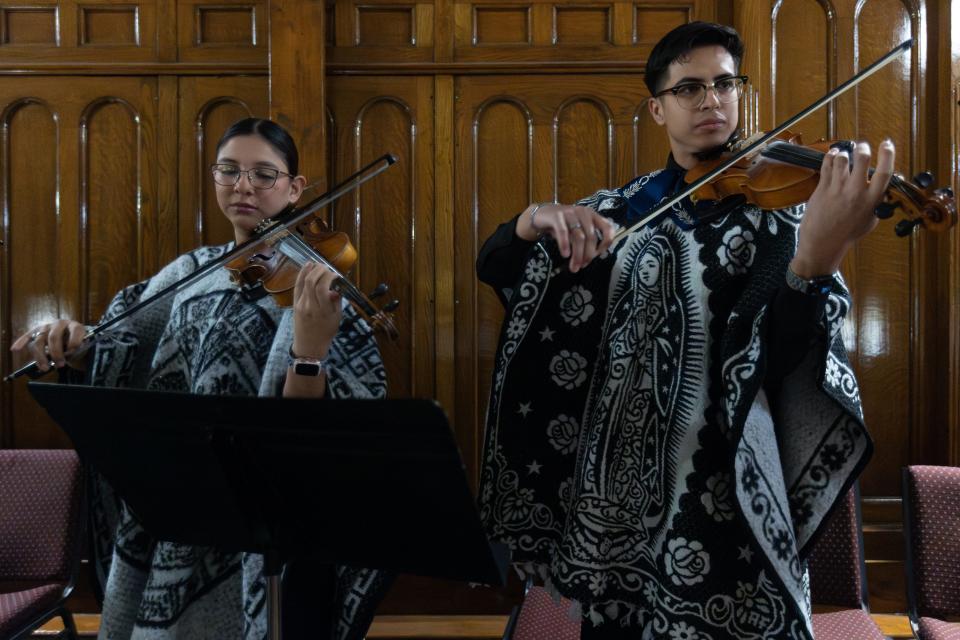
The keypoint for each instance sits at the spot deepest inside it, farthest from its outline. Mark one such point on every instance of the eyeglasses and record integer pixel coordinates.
(690, 95)
(259, 177)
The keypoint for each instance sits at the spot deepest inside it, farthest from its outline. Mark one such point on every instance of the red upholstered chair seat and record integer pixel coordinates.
(933, 629)
(541, 618)
(18, 608)
(845, 625)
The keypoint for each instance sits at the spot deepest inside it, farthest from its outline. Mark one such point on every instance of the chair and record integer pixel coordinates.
(931, 527)
(837, 576)
(41, 527)
(539, 617)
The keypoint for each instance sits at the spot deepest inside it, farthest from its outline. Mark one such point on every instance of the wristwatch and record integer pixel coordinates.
(818, 286)
(303, 366)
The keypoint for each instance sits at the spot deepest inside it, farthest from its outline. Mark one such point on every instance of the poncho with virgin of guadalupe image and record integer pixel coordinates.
(207, 339)
(633, 459)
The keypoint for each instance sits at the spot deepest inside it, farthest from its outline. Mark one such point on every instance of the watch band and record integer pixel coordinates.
(817, 286)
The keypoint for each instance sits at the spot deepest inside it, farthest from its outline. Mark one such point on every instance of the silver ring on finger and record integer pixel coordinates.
(36, 334)
(574, 227)
(598, 234)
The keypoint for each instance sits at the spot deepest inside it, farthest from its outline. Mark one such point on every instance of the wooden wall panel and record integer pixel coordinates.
(110, 26)
(804, 30)
(31, 227)
(216, 30)
(559, 32)
(79, 217)
(207, 107)
(394, 31)
(118, 226)
(583, 136)
(583, 25)
(391, 218)
(883, 331)
(79, 30)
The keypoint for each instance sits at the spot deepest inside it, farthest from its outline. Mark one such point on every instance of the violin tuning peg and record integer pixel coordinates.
(885, 209)
(381, 289)
(923, 179)
(905, 227)
(390, 306)
(945, 191)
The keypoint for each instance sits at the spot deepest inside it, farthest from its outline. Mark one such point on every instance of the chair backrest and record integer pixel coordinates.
(41, 506)
(931, 524)
(836, 562)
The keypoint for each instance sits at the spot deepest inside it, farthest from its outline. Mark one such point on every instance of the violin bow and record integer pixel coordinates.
(269, 229)
(759, 143)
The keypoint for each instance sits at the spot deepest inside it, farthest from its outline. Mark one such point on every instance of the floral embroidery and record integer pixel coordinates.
(516, 327)
(716, 500)
(568, 369)
(536, 270)
(737, 252)
(683, 631)
(562, 433)
(686, 562)
(575, 306)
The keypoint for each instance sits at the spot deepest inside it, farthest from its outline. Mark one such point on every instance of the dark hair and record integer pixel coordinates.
(681, 41)
(275, 135)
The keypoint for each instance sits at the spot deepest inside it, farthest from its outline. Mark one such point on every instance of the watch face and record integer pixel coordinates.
(306, 368)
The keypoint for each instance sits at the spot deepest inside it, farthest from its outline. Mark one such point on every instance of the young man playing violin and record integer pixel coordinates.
(673, 415)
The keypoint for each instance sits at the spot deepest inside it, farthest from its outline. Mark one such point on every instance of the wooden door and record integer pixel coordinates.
(81, 215)
(797, 50)
(391, 218)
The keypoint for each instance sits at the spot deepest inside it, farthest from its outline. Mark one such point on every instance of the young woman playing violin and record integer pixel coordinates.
(209, 339)
(673, 415)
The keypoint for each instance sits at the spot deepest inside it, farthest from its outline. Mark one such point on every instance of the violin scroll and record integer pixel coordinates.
(921, 206)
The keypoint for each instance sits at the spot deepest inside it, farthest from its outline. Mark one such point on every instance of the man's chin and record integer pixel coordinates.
(706, 143)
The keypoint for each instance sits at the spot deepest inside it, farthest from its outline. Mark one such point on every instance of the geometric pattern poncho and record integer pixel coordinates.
(634, 459)
(207, 340)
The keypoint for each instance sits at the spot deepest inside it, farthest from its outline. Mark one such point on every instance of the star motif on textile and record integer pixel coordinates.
(665, 367)
(746, 553)
(525, 408)
(547, 334)
(534, 468)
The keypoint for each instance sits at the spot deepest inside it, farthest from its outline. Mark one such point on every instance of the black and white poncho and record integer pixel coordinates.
(207, 340)
(637, 457)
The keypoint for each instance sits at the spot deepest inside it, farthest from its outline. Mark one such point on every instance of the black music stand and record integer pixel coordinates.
(376, 483)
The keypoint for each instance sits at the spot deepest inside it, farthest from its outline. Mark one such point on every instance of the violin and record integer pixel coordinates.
(755, 174)
(274, 237)
(272, 268)
(786, 172)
